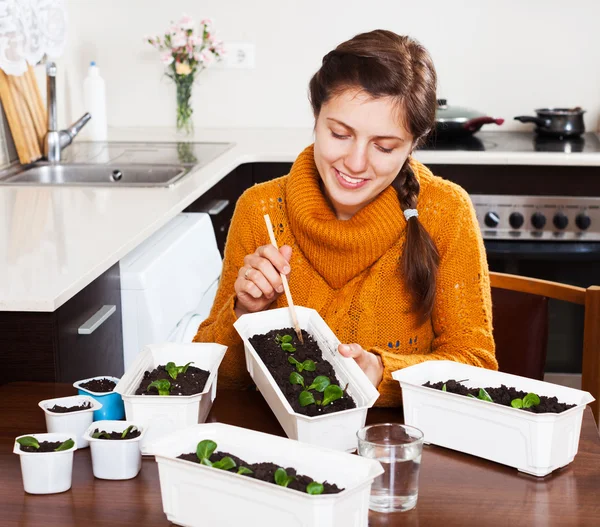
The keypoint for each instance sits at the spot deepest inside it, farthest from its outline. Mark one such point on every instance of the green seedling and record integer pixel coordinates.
(205, 449)
(285, 342)
(296, 378)
(28, 441)
(101, 435)
(162, 385)
(65, 446)
(320, 383)
(531, 399)
(332, 393)
(483, 395)
(130, 428)
(282, 479)
(174, 371)
(444, 388)
(307, 365)
(244, 470)
(315, 488)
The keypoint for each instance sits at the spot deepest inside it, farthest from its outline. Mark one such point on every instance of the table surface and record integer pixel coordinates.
(455, 489)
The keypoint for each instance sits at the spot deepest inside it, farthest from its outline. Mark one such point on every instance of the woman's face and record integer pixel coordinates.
(360, 146)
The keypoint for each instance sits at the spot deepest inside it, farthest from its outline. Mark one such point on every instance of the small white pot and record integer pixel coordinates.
(115, 459)
(161, 414)
(196, 495)
(47, 472)
(75, 423)
(335, 430)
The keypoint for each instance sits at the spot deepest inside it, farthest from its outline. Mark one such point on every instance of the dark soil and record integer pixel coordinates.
(45, 446)
(117, 435)
(276, 361)
(265, 471)
(189, 383)
(99, 385)
(66, 409)
(504, 395)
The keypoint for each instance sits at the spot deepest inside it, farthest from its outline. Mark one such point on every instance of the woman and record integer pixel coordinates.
(388, 254)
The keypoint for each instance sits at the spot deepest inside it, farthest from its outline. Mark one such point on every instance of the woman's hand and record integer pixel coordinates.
(368, 362)
(259, 283)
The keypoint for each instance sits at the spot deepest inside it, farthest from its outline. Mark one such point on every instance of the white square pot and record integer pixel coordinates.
(74, 423)
(533, 443)
(46, 472)
(336, 430)
(161, 414)
(196, 495)
(115, 459)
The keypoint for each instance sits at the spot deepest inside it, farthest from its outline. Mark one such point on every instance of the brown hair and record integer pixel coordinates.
(382, 63)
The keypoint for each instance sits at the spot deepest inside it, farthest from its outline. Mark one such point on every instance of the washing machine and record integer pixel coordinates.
(169, 283)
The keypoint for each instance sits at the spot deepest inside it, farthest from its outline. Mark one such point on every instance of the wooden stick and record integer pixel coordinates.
(286, 287)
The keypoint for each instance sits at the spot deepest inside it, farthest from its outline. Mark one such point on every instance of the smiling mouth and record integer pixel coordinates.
(348, 179)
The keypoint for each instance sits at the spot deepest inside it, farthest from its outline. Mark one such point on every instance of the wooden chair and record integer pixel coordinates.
(520, 311)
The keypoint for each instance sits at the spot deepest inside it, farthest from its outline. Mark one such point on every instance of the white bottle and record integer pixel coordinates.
(94, 95)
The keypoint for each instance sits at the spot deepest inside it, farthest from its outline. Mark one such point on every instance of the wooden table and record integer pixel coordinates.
(455, 489)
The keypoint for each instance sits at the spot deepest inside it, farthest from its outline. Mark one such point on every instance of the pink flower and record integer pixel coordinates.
(206, 57)
(167, 58)
(186, 22)
(206, 22)
(179, 40)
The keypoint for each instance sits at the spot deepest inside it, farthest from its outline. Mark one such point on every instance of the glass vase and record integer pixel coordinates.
(184, 84)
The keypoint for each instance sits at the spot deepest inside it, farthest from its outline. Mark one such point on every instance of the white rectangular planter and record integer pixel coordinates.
(161, 414)
(46, 472)
(74, 423)
(195, 495)
(336, 430)
(115, 459)
(533, 443)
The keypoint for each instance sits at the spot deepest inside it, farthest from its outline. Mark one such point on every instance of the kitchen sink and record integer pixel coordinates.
(117, 165)
(79, 174)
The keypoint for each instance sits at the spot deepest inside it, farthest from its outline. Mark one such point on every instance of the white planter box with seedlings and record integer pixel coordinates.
(162, 414)
(333, 430)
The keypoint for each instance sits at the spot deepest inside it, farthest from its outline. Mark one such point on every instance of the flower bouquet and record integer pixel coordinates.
(186, 53)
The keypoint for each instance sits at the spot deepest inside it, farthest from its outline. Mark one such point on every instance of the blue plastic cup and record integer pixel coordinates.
(112, 402)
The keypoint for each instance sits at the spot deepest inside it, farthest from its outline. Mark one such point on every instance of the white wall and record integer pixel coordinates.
(503, 57)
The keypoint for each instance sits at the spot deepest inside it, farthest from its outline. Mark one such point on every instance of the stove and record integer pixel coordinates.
(545, 201)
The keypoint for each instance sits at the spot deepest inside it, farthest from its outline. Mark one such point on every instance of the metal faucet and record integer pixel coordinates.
(55, 139)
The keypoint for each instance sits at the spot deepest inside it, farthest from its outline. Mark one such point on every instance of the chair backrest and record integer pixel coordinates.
(520, 311)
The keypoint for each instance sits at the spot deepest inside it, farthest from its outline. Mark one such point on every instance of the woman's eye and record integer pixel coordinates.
(338, 136)
(385, 150)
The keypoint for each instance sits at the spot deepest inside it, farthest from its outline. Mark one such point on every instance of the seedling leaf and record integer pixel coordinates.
(296, 378)
(315, 488)
(484, 396)
(332, 393)
(531, 399)
(172, 370)
(286, 338)
(162, 385)
(282, 479)
(130, 428)
(444, 388)
(309, 365)
(65, 446)
(517, 403)
(100, 435)
(244, 470)
(28, 441)
(286, 346)
(205, 449)
(320, 383)
(306, 398)
(224, 463)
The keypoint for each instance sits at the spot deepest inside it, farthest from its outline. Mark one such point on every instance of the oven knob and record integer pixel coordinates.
(491, 219)
(560, 220)
(583, 221)
(516, 220)
(538, 220)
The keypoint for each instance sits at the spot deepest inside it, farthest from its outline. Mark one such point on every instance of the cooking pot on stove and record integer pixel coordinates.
(557, 122)
(457, 121)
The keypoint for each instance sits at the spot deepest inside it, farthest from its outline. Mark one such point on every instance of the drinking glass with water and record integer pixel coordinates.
(398, 448)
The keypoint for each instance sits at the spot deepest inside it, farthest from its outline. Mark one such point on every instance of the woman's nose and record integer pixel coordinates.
(356, 160)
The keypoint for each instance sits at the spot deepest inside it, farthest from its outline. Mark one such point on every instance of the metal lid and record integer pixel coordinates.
(454, 114)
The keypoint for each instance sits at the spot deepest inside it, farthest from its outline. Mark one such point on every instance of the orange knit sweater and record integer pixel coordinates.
(349, 272)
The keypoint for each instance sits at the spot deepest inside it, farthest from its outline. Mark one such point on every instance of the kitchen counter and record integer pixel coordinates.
(56, 240)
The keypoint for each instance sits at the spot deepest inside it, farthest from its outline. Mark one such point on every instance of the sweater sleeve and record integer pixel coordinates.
(218, 327)
(462, 312)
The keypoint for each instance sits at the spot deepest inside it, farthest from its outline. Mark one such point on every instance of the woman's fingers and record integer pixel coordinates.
(368, 362)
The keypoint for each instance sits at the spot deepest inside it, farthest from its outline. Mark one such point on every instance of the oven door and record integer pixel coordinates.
(574, 263)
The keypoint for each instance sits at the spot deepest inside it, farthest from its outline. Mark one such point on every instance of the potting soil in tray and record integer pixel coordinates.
(45, 446)
(99, 385)
(265, 471)
(276, 361)
(131, 434)
(504, 395)
(66, 409)
(189, 383)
